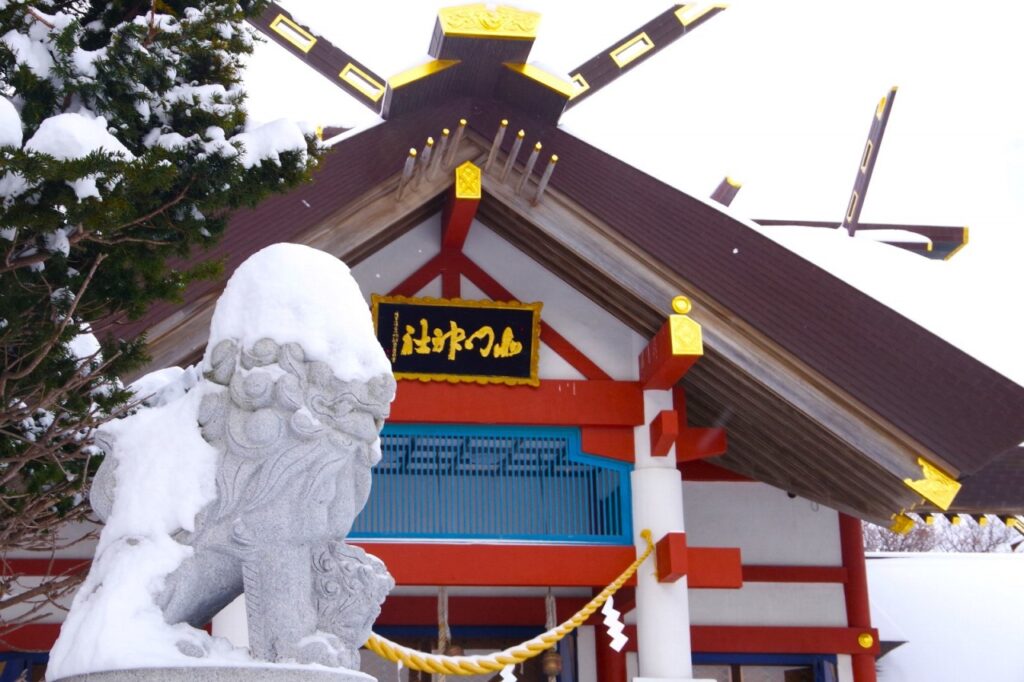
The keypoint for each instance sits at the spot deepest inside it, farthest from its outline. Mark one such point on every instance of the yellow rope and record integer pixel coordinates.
(496, 662)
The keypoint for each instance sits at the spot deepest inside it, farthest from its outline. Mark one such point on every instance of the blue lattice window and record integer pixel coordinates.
(500, 483)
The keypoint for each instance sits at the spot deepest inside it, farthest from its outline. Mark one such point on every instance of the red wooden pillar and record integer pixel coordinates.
(858, 610)
(611, 664)
(456, 219)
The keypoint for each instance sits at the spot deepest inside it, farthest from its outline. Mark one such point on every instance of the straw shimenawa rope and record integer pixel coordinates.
(496, 662)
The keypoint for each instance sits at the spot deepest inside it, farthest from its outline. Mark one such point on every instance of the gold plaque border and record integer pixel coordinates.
(534, 378)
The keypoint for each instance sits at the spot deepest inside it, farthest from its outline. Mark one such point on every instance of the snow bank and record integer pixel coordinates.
(294, 293)
(960, 615)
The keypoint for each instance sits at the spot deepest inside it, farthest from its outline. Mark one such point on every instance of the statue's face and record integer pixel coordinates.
(298, 441)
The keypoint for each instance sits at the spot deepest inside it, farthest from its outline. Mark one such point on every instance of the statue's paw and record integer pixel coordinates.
(349, 658)
(191, 649)
(318, 652)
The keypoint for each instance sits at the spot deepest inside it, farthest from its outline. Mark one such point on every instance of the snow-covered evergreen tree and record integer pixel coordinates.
(123, 148)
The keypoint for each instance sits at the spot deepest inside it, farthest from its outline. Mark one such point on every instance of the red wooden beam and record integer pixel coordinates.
(600, 403)
(33, 637)
(419, 279)
(568, 352)
(714, 568)
(707, 472)
(671, 353)
(43, 566)
(699, 443)
(614, 442)
(538, 565)
(504, 565)
(670, 552)
(790, 640)
(695, 443)
(664, 430)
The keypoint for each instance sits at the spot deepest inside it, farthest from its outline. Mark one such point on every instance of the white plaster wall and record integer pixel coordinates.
(586, 654)
(596, 333)
(387, 268)
(779, 604)
(844, 666)
(766, 524)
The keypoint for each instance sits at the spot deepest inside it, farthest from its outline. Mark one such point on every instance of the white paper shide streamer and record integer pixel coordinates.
(613, 621)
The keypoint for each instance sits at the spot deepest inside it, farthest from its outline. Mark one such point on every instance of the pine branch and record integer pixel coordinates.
(43, 352)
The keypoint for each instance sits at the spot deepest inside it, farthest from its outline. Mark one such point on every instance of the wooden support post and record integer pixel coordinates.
(512, 154)
(460, 207)
(611, 664)
(855, 589)
(407, 171)
(424, 162)
(453, 152)
(545, 179)
(496, 144)
(524, 179)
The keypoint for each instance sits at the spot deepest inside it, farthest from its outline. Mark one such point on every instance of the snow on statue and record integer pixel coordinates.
(245, 478)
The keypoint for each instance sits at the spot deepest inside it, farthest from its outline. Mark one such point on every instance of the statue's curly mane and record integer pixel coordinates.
(283, 417)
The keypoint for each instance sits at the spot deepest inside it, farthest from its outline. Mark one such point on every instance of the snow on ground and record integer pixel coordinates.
(165, 469)
(960, 614)
(780, 97)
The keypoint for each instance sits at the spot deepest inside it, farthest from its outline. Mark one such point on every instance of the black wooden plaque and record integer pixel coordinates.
(454, 340)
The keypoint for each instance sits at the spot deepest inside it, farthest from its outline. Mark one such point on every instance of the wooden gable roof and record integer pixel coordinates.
(823, 390)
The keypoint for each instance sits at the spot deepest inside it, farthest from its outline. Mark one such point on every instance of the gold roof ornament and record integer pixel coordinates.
(687, 336)
(901, 524)
(935, 485)
(481, 21)
(468, 181)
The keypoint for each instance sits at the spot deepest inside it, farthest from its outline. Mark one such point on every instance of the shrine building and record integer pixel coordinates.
(584, 353)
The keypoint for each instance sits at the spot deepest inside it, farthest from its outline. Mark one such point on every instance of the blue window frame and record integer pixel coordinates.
(18, 665)
(443, 481)
(823, 666)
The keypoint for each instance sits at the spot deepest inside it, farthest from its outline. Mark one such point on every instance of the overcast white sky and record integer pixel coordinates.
(780, 96)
